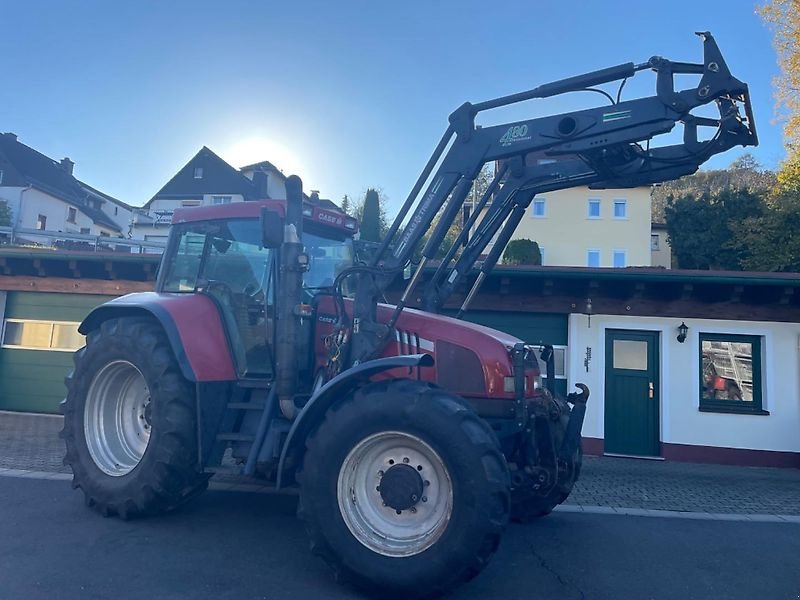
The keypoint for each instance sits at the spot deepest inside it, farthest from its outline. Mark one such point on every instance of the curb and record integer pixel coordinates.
(225, 486)
(676, 514)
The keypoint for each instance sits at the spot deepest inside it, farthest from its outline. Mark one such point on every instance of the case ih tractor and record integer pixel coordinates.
(413, 437)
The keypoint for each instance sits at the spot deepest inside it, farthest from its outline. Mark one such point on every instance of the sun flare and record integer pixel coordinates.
(247, 151)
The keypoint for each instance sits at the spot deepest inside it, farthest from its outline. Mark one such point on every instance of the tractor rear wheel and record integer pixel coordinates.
(129, 422)
(405, 492)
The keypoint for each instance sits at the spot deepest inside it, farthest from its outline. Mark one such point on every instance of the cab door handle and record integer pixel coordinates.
(651, 392)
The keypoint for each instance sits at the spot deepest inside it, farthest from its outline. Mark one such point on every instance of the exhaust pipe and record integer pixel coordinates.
(292, 267)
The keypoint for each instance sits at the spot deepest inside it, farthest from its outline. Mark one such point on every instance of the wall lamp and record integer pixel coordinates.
(682, 331)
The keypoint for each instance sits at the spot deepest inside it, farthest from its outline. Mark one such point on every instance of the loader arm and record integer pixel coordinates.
(603, 147)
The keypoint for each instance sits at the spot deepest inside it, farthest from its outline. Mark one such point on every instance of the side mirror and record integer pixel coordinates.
(271, 229)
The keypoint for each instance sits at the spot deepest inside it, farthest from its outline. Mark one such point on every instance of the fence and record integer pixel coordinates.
(43, 238)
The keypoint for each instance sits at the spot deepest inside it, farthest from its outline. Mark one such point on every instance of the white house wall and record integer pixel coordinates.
(680, 420)
(35, 203)
(119, 214)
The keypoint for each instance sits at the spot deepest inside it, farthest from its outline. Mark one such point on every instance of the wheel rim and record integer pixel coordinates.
(383, 505)
(117, 418)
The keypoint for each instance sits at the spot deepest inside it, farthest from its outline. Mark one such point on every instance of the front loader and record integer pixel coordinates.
(412, 436)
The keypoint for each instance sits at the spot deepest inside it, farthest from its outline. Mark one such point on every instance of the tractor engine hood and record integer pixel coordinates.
(470, 359)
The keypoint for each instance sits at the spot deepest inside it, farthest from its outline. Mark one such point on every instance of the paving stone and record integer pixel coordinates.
(31, 443)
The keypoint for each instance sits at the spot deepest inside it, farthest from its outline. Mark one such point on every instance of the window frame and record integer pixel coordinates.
(72, 214)
(734, 406)
(614, 253)
(221, 200)
(539, 201)
(197, 173)
(589, 251)
(41, 220)
(624, 203)
(655, 247)
(52, 325)
(591, 202)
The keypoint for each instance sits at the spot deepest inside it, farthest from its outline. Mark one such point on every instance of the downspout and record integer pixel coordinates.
(18, 218)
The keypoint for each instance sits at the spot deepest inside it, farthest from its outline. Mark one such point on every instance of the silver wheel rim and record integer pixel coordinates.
(116, 418)
(379, 527)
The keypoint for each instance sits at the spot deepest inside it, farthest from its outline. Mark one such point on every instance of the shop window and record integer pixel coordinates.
(26, 334)
(730, 373)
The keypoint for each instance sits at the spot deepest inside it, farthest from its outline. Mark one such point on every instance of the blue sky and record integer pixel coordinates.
(346, 94)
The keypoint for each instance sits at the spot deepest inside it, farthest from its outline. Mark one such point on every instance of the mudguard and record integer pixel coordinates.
(193, 326)
(336, 388)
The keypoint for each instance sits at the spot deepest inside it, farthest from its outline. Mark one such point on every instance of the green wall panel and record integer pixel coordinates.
(33, 380)
(51, 307)
(533, 328)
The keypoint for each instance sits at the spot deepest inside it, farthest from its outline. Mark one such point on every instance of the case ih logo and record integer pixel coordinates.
(515, 133)
(329, 218)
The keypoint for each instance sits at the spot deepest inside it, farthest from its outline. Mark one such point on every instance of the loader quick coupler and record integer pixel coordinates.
(572, 436)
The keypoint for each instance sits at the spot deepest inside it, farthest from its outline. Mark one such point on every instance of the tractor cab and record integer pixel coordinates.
(220, 252)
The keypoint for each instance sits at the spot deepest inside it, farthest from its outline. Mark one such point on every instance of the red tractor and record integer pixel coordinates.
(412, 436)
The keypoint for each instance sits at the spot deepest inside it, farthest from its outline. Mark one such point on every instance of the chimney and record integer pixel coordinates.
(10, 136)
(67, 165)
(260, 180)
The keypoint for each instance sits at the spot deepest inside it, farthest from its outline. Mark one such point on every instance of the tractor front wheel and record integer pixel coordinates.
(405, 491)
(129, 422)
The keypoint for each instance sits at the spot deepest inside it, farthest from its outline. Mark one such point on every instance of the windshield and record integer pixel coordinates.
(327, 257)
(227, 251)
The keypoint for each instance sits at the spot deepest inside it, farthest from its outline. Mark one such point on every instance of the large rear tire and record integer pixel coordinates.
(405, 492)
(129, 422)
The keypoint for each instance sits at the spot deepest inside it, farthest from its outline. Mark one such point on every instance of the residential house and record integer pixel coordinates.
(44, 194)
(208, 180)
(581, 227)
(205, 180)
(660, 249)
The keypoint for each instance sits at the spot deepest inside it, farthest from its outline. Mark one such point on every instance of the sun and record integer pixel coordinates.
(249, 150)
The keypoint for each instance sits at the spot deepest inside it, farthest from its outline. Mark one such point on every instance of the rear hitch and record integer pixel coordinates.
(572, 436)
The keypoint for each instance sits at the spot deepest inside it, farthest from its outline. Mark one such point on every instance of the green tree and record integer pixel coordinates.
(704, 232)
(770, 242)
(743, 173)
(783, 18)
(346, 207)
(371, 217)
(5, 214)
(522, 252)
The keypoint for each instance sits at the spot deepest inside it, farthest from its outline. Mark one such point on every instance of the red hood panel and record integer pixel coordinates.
(419, 331)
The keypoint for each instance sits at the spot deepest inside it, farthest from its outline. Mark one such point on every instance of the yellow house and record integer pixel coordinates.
(590, 228)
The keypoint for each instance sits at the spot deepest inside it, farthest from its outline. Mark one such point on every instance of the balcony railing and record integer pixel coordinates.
(61, 240)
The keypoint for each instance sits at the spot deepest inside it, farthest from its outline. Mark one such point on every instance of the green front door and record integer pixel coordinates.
(631, 393)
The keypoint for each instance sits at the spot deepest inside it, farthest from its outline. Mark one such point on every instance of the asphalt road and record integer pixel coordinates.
(238, 545)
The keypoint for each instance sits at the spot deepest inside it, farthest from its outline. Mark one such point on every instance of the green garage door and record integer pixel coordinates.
(532, 328)
(38, 338)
